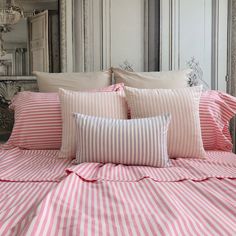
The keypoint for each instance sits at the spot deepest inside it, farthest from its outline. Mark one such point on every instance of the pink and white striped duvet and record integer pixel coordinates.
(193, 197)
(25, 179)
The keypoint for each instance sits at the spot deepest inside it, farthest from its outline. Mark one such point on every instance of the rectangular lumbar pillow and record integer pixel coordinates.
(102, 104)
(130, 142)
(51, 82)
(184, 136)
(163, 79)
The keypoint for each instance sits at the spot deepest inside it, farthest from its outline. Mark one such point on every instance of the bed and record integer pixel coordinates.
(26, 176)
(193, 197)
(75, 165)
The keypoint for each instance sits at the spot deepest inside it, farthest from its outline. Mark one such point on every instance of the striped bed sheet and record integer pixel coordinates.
(193, 197)
(26, 177)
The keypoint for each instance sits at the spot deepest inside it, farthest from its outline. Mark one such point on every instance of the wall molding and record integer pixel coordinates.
(215, 44)
(66, 32)
(92, 31)
(106, 34)
(63, 32)
(171, 31)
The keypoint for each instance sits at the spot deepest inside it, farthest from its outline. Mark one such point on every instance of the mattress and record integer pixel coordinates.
(192, 197)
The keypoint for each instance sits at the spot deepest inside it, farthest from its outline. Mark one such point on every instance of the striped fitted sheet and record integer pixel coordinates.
(26, 176)
(194, 197)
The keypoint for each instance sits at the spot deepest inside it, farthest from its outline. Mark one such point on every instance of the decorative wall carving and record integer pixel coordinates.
(196, 76)
(63, 32)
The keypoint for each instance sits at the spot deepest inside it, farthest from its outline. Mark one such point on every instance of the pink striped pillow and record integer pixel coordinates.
(216, 110)
(184, 135)
(109, 105)
(129, 142)
(38, 123)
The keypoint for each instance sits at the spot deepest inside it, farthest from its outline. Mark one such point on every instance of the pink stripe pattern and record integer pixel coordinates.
(216, 110)
(144, 207)
(217, 164)
(31, 165)
(26, 177)
(38, 123)
(104, 104)
(184, 135)
(18, 202)
(130, 142)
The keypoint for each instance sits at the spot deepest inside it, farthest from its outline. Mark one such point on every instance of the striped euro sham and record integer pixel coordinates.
(184, 136)
(102, 104)
(129, 142)
(216, 110)
(38, 122)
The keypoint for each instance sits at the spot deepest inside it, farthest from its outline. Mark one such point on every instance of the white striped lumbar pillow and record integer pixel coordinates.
(184, 137)
(130, 142)
(102, 104)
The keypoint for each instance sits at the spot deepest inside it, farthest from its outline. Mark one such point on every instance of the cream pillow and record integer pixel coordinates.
(164, 79)
(184, 136)
(51, 82)
(101, 104)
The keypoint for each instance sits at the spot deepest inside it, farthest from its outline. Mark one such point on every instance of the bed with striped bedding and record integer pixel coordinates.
(193, 197)
(26, 177)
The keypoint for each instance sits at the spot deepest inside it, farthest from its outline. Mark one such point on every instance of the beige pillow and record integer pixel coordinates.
(51, 82)
(164, 79)
(101, 104)
(184, 135)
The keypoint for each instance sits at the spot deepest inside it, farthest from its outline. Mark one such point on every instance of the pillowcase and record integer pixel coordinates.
(38, 123)
(129, 142)
(216, 110)
(184, 136)
(51, 82)
(164, 80)
(109, 105)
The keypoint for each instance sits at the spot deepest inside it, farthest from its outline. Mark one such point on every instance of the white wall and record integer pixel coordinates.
(127, 33)
(187, 32)
(108, 33)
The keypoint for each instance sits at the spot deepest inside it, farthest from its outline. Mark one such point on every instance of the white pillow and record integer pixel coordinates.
(51, 82)
(129, 142)
(102, 104)
(164, 79)
(184, 136)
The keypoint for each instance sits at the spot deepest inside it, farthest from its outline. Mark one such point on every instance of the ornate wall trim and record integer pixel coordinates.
(66, 35)
(63, 33)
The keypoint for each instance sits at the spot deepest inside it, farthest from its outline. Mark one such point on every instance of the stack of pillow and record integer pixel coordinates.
(86, 117)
